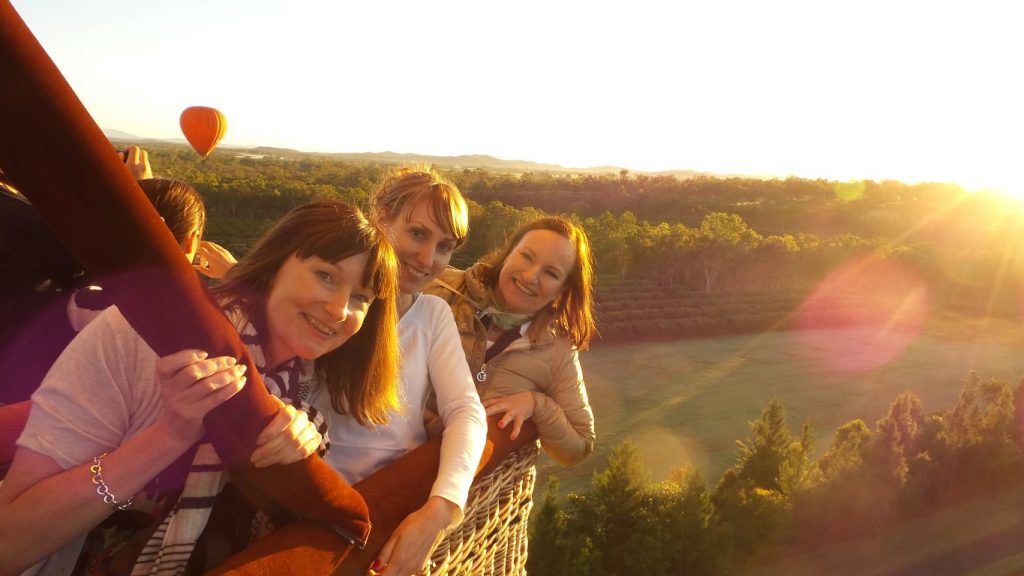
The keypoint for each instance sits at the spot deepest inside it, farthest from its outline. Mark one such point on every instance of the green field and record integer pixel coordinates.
(686, 402)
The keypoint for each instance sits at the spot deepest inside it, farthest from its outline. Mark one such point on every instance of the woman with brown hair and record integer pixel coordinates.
(524, 313)
(314, 303)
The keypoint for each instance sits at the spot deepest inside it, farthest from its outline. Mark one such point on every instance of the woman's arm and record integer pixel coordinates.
(45, 507)
(559, 408)
(565, 422)
(49, 497)
(465, 433)
(458, 405)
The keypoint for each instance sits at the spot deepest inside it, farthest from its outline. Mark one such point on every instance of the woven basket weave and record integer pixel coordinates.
(492, 538)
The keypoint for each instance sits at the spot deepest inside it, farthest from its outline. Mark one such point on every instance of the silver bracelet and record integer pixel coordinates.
(101, 487)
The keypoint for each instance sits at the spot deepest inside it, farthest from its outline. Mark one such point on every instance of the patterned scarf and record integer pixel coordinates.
(170, 547)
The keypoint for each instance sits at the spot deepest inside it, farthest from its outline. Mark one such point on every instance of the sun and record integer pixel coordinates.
(1002, 183)
(1011, 195)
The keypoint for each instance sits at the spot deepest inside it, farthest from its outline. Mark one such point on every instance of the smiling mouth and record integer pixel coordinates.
(415, 273)
(319, 326)
(524, 289)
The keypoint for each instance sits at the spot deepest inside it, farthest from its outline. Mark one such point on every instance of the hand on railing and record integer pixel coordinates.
(409, 548)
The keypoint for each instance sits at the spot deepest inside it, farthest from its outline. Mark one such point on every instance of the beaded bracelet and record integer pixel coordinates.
(101, 487)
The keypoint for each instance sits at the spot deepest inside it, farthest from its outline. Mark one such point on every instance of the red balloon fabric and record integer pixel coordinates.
(55, 154)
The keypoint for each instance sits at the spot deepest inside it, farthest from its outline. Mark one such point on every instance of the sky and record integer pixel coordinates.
(908, 90)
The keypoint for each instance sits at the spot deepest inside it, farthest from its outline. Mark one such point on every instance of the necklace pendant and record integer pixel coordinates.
(481, 376)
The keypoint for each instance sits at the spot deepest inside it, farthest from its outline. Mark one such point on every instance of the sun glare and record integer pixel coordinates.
(880, 307)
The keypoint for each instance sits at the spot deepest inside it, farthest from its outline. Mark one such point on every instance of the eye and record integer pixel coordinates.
(553, 274)
(362, 299)
(526, 256)
(325, 277)
(445, 247)
(418, 233)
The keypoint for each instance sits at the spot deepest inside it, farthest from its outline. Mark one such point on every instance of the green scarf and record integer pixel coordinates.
(499, 317)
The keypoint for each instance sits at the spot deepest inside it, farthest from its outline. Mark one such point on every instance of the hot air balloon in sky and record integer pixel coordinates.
(203, 127)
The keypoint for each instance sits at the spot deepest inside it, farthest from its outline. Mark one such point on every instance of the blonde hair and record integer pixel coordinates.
(405, 188)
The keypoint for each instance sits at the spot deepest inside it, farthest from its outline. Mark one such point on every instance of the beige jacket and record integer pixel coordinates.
(540, 361)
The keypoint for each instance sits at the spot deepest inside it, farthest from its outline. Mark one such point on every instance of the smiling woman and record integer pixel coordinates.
(317, 277)
(314, 306)
(427, 219)
(535, 272)
(314, 302)
(524, 313)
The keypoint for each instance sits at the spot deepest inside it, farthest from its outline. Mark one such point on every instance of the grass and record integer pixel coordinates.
(686, 402)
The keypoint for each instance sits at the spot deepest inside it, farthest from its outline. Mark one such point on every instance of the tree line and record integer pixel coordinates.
(699, 234)
(777, 496)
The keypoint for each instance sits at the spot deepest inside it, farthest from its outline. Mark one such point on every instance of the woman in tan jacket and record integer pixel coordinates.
(524, 313)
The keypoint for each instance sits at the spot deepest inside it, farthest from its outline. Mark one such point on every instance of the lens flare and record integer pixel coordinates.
(861, 316)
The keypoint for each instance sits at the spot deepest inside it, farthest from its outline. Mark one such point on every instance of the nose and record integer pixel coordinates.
(531, 274)
(337, 306)
(425, 257)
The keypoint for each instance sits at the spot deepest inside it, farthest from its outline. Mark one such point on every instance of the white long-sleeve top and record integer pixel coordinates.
(432, 359)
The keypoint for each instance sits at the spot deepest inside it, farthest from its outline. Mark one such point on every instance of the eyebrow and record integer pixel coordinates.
(341, 272)
(444, 236)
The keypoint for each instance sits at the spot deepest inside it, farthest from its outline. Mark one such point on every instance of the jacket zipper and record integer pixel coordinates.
(481, 375)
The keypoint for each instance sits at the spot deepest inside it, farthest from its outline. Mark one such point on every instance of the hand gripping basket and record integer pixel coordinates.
(492, 538)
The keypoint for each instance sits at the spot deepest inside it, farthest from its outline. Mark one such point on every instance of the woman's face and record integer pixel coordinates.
(314, 306)
(423, 247)
(535, 272)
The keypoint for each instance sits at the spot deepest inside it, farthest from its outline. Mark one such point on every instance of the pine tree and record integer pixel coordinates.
(689, 527)
(618, 528)
(753, 507)
(981, 435)
(548, 552)
(896, 439)
(772, 458)
(848, 450)
(838, 498)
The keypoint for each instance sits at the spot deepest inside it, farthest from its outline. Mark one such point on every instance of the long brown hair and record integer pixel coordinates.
(405, 188)
(572, 313)
(362, 374)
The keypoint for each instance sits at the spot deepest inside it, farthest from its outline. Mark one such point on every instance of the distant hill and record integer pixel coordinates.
(469, 161)
(121, 136)
(126, 138)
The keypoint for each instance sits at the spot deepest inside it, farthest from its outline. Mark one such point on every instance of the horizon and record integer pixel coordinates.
(180, 140)
(916, 92)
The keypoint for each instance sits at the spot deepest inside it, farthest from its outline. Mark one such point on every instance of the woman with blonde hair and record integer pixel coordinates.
(426, 218)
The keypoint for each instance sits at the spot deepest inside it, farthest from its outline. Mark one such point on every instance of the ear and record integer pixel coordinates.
(190, 245)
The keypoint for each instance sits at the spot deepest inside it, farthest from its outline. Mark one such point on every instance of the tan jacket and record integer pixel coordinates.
(541, 361)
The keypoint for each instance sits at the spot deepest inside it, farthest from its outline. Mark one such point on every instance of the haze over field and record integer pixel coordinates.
(686, 402)
(916, 91)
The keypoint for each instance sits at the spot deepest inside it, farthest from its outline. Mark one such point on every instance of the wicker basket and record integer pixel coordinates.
(492, 538)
